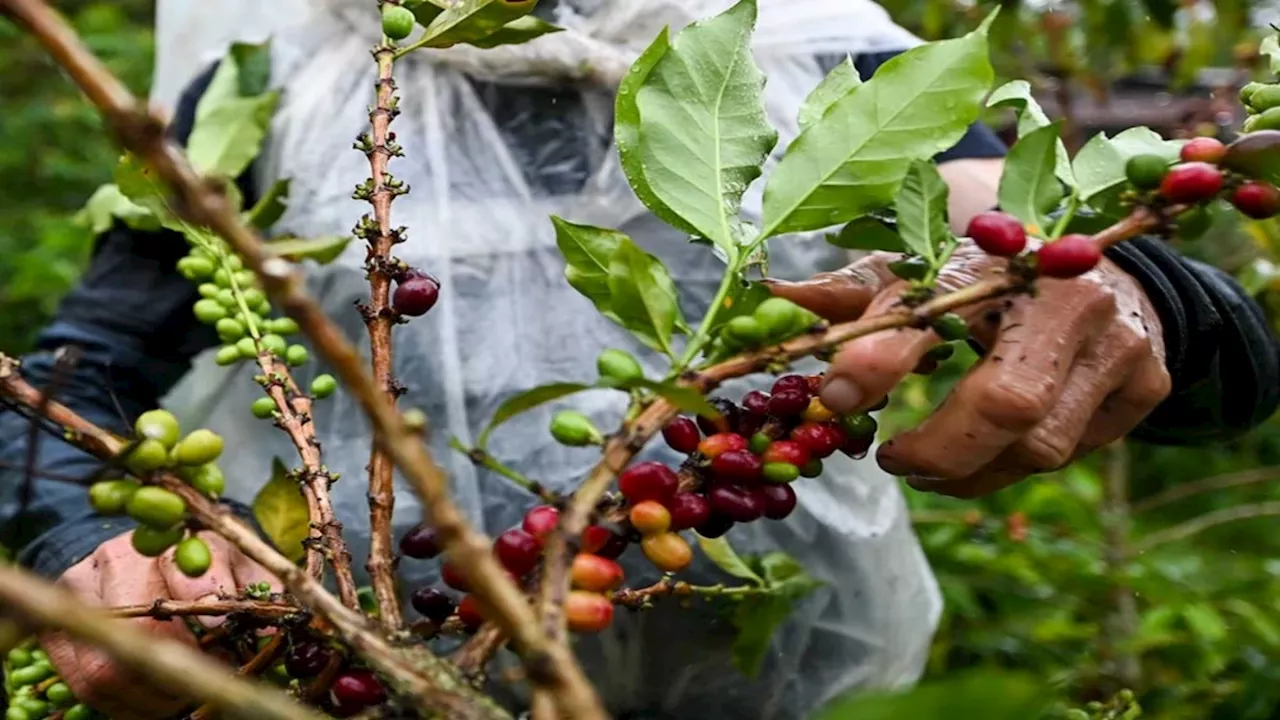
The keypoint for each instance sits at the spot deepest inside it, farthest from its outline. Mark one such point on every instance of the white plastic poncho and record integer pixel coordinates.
(496, 141)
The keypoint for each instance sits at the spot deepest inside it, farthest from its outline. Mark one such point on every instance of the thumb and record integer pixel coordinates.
(838, 296)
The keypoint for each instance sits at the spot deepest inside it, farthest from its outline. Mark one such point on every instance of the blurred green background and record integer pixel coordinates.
(1094, 579)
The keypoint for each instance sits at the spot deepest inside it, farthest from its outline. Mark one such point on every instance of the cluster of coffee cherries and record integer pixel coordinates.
(353, 689)
(232, 301)
(161, 514)
(34, 690)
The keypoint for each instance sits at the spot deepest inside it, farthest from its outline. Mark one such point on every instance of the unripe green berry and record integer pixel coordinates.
(618, 366)
(233, 261)
(940, 353)
(1146, 171)
(323, 386)
(777, 315)
(193, 557)
(263, 308)
(78, 712)
(110, 497)
(17, 713)
(246, 279)
(209, 311)
(159, 425)
(207, 478)
(780, 472)
(30, 675)
(1246, 92)
(746, 331)
(229, 330)
(200, 447)
(227, 355)
(759, 443)
(282, 326)
(227, 299)
(397, 22)
(1265, 98)
(859, 426)
(275, 344)
(208, 290)
(951, 327)
(248, 350)
(19, 657)
(156, 507)
(263, 408)
(151, 542)
(574, 429)
(37, 709)
(60, 694)
(147, 456)
(296, 355)
(195, 268)
(253, 297)
(222, 278)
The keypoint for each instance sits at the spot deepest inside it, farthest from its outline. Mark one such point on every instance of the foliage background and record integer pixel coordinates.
(1200, 637)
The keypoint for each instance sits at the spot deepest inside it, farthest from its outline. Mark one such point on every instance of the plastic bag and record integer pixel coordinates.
(488, 163)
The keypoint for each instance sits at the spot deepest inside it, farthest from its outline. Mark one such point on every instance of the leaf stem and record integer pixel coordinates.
(481, 458)
(703, 333)
(1073, 206)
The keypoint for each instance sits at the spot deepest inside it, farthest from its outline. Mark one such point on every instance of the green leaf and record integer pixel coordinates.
(230, 134)
(272, 205)
(1099, 167)
(253, 67)
(643, 296)
(842, 80)
(520, 30)
(986, 695)
(852, 160)
(323, 250)
(1017, 94)
(108, 204)
(780, 570)
(756, 619)
(1270, 47)
(526, 401)
(702, 135)
(1256, 619)
(1029, 190)
(687, 399)
(867, 233)
(587, 251)
(720, 552)
(1204, 622)
(138, 182)
(281, 511)
(470, 20)
(425, 10)
(922, 210)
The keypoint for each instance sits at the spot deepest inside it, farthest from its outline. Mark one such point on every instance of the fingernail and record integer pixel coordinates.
(841, 395)
(923, 484)
(892, 466)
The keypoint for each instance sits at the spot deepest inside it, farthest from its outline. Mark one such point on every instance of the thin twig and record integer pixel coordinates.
(482, 459)
(259, 662)
(165, 609)
(550, 663)
(178, 666)
(1218, 482)
(1199, 524)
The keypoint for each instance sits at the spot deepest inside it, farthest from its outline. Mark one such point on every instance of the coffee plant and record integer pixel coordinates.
(692, 137)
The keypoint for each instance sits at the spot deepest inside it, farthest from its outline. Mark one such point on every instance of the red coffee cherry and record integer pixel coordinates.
(788, 403)
(355, 690)
(594, 573)
(688, 511)
(469, 613)
(798, 383)
(541, 521)
(787, 451)
(587, 612)
(648, 481)
(736, 503)
(682, 435)
(420, 543)
(1069, 256)
(603, 542)
(1203, 149)
(998, 233)
(740, 466)
(820, 439)
(756, 402)
(1191, 182)
(415, 294)
(779, 500)
(518, 551)
(1258, 200)
(453, 577)
(650, 517)
(721, 443)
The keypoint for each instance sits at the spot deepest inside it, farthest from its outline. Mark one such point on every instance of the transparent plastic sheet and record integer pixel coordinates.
(487, 165)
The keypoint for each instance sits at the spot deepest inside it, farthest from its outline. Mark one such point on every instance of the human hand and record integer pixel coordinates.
(1073, 368)
(116, 575)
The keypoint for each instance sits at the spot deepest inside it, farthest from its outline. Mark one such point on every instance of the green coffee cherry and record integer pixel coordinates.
(780, 472)
(78, 712)
(759, 443)
(951, 327)
(200, 447)
(19, 658)
(812, 469)
(110, 497)
(296, 355)
(246, 279)
(226, 298)
(233, 261)
(940, 353)
(911, 268)
(777, 315)
(193, 557)
(31, 674)
(1146, 171)
(150, 542)
(34, 707)
(159, 425)
(147, 456)
(1265, 98)
(156, 507)
(275, 344)
(283, 326)
(574, 429)
(59, 694)
(1267, 120)
(859, 426)
(227, 355)
(618, 366)
(222, 278)
(254, 297)
(208, 290)
(368, 600)
(397, 22)
(746, 331)
(323, 386)
(17, 713)
(229, 330)
(195, 268)
(1246, 92)
(207, 479)
(263, 408)
(263, 308)
(248, 350)
(39, 655)
(209, 311)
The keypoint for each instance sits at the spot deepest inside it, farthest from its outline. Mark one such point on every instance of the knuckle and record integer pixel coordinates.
(1014, 404)
(1045, 450)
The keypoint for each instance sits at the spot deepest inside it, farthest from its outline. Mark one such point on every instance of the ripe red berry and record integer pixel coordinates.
(306, 659)
(1068, 256)
(727, 420)
(432, 604)
(997, 233)
(420, 543)
(787, 451)
(469, 612)
(1203, 149)
(820, 439)
(603, 542)
(738, 466)
(682, 435)
(721, 443)
(650, 517)
(594, 573)
(788, 403)
(715, 526)
(798, 383)
(587, 612)
(735, 503)
(756, 402)
(354, 690)
(815, 384)
(688, 511)
(779, 500)
(541, 521)
(518, 551)
(453, 577)
(1258, 200)
(415, 294)
(648, 481)
(1191, 182)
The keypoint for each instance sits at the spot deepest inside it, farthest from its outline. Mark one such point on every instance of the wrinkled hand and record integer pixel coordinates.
(116, 575)
(1064, 372)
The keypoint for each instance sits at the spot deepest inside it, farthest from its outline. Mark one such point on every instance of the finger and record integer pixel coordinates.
(248, 572)
(1124, 410)
(1008, 393)
(218, 580)
(842, 295)
(82, 581)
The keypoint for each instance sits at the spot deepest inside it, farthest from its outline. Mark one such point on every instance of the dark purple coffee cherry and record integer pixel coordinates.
(420, 543)
(306, 659)
(415, 294)
(433, 604)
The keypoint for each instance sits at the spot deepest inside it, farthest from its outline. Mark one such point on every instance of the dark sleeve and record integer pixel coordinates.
(131, 318)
